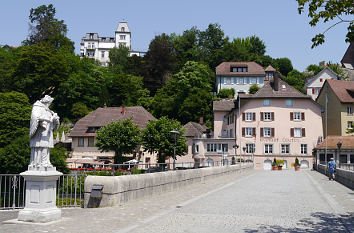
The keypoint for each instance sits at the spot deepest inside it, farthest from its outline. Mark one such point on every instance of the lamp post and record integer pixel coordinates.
(236, 147)
(244, 153)
(339, 145)
(175, 133)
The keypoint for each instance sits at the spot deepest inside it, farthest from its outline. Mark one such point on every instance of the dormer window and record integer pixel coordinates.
(123, 29)
(238, 69)
(91, 36)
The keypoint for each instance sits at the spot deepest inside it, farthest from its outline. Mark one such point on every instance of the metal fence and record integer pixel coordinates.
(12, 191)
(70, 191)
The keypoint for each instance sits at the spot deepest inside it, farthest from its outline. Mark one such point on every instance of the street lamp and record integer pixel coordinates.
(244, 153)
(339, 145)
(175, 133)
(236, 147)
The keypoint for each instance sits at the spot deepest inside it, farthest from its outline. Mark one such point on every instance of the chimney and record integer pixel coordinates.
(201, 120)
(123, 110)
(276, 81)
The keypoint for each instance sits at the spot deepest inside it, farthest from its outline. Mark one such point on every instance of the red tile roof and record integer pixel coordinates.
(253, 68)
(344, 90)
(194, 129)
(103, 116)
(270, 68)
(347, 142)
(223, 105)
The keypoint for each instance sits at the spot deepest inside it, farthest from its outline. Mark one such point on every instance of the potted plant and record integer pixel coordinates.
(297, 164)
(274, 165)
(280, 164)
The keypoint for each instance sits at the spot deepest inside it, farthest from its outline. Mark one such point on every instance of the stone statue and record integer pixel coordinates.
(43, 123)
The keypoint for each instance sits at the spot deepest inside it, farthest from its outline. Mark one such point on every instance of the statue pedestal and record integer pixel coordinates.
(41, 186)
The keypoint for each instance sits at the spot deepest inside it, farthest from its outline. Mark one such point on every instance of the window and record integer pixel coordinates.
(91, 142)
(102, 54)
(267, 132)
(285, 148)
(349, 111)
(268, 148)
(249, 116)
(260, 80)
(123, 29)
(195, 148)
(289, 103)
(91, 36)
(267, 116)
(217, 147)
(349, 125)
(249, 132)
(233, 69)
(253, 80)
(304, 149)
(297, 116)
(250, 148)
(122, 37)
(228, 80)
(247, 80)
(241, 80)
(297, 132)
(244, 69)
(80, 142)
(266, 102)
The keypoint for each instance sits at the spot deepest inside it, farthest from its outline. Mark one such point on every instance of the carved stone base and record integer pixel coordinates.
(40, 196)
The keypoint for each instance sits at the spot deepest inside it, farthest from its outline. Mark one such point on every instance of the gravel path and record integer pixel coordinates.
(255, 201)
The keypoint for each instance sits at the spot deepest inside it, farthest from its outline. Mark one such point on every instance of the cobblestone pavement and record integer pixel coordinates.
(255, 201)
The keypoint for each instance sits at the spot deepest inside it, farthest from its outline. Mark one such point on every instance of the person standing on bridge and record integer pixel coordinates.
(332, 169)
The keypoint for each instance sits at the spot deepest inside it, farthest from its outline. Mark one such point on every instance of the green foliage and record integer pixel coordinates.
(274, 162)
(121, 136)
(15, 157)
(296, 79)
(283, 65)
(280, 162)
(327, 11)
(253, 89)
(157, 138)
(226, 93)
(79, 110)
(297, 163)
(58, 156)
(314, 69)
(193, 81)
(119, 58)
(8, 58)
(15, 114)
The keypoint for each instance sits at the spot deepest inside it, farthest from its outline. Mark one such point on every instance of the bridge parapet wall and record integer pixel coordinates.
(345, 177)
(121, 189)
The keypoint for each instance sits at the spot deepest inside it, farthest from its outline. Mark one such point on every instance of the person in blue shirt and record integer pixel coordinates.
(332, 169)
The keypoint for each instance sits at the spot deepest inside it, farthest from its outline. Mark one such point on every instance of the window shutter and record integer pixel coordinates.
(291, 116)
(243, 116)
(313, 90)
(254, 116)
(303, 134)
(272, 132)
(292, 132)
(272, 116)
(261, 132)
(243, 131)
(302, 116)
(254, 132)
(261, 116)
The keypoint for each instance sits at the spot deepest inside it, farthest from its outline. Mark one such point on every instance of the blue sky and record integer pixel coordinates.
(276, 22)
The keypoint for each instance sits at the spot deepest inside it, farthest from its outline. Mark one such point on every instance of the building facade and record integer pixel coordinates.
(239, 76)
(84, 134)
(94, 46)
(314, 84)
(337, 114)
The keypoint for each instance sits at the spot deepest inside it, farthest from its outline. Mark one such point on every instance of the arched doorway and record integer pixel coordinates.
(209, 162)
(267, 164)
(304, 164)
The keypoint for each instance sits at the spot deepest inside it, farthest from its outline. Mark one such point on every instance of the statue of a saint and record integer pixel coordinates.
(43, 123)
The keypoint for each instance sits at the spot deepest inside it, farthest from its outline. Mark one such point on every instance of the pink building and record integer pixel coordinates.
(276, 122)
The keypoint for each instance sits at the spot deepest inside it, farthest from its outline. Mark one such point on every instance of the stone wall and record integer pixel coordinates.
(121, 189)
(345, 177)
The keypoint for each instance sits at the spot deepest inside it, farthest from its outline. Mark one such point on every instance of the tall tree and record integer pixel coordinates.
(122, 137)
(296, 79)
(44, 26)
(283, 65)
(157, 138)
(119, 58)
(328, 11)
(160, 62)
(8, 57)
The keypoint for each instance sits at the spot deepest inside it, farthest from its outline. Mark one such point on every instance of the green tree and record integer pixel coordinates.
(157, 138)
(119, 58)
(58, 156)
(8, 57)
(15, 156)
(296, 79)
(79, 110)
(44, 26)
(15, 114)
(328, 11)
(226, 93)
(283, 65)
(122, 137)
(314, 69)
(253, 89)
(160, 62)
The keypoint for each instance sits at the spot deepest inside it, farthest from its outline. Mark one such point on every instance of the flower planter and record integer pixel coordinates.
(274, 167)
(280, 168)
(297, 168)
